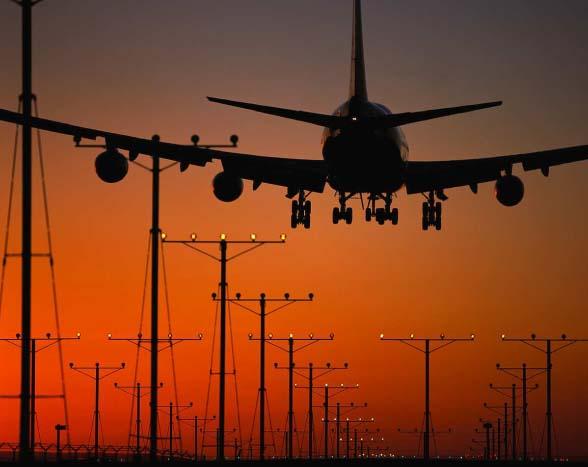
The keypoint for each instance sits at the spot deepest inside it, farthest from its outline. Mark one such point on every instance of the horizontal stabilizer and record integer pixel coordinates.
(414, 117)
(328, 121)
(337, 122)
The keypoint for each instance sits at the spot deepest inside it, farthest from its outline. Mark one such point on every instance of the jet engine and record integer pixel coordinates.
(509, 190)
(227, 187)
(111, 166)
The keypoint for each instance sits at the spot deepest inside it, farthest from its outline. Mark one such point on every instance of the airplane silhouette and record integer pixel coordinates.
(364, 153)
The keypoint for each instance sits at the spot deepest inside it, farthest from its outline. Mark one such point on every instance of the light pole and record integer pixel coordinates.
(524, 378)
(45, 342)
(355, 422)
(137, 394)
(148, 345)
(350, 407)
(329, 393)
(311, 378)
(534, 342)
(194, 421)
(58, 429)
(112, 167)
(442, 341)
(97, 377)
(263, 313)
(223, 259)
(170, 413)
(496, 409)
(276, 342)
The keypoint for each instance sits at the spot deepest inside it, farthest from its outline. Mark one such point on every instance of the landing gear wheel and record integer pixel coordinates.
(438, 223)
(394, 216)
(348, 216)
(336, 215)
(380, 216)
(307, 221)
(307, 208)
(293, 221)
(368, 214)
(294, 208)
(425, 223)
(438, 212)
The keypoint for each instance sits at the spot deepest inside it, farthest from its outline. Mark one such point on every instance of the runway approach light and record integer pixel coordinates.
(163, 235)
(78, 335)
(283, 237)
(503, 336)
(381, 335)
(250, 335)
(332, 335)
(223, 236)
(412, 336)
(291, 335)
(109, 335)
(253, 237)
(193, 237)
(472, 336)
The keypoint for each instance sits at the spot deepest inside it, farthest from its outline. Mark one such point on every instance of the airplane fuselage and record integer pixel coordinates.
(362, 159)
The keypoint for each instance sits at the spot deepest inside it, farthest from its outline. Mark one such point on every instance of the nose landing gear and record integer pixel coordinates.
(301, 209)
(432, 212)
(387, 213)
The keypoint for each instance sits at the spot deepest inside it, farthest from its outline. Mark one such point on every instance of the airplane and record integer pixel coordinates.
(364, 152)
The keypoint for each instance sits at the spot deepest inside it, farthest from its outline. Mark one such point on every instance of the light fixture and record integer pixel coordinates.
(193, 237)
(223, 236)
(283, 237)
(253, 237)
(163, 235)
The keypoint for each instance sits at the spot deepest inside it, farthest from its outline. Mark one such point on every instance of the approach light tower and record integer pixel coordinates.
(563, 342)
(252, 244)
(279, 303)
(442, 341)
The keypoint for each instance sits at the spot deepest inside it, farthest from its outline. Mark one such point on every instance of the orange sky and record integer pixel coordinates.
(491, 269)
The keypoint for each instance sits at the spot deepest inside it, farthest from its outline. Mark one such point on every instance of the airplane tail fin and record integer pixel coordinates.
(358, 84)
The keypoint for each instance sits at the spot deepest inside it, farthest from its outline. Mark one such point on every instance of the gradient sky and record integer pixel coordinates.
(144, 67)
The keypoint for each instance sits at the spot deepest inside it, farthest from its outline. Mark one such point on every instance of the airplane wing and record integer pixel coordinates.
(294, 174)
(438, 175)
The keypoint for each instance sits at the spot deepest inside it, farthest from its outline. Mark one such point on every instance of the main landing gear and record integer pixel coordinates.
(432, 212)
(343, 212)
(387, 213)
(301, 209)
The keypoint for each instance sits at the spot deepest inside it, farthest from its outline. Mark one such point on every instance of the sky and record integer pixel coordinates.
(145, 67)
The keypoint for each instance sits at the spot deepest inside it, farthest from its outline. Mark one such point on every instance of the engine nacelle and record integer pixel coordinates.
(509, 190)
(227, 187)
(111, 166)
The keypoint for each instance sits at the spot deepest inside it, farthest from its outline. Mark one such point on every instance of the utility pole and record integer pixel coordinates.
(58, 429)
(97, 377)
(311, 378)
(524, 391)
(442, 342)
(561, 343)
(223, 259)
(291, 340)
(170, 413)
(262, 314)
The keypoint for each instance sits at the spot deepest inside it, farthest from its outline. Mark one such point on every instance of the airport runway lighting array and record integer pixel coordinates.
(329, 393)
(96, 373)
(194, 422)
(439, 343)
(278, 303)
(525, 389)
(500, 422)
(349, 407)
(311, 377)
(45, 342)
(223, 242)
(548, 346)
(137, 393)
(291, 350)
